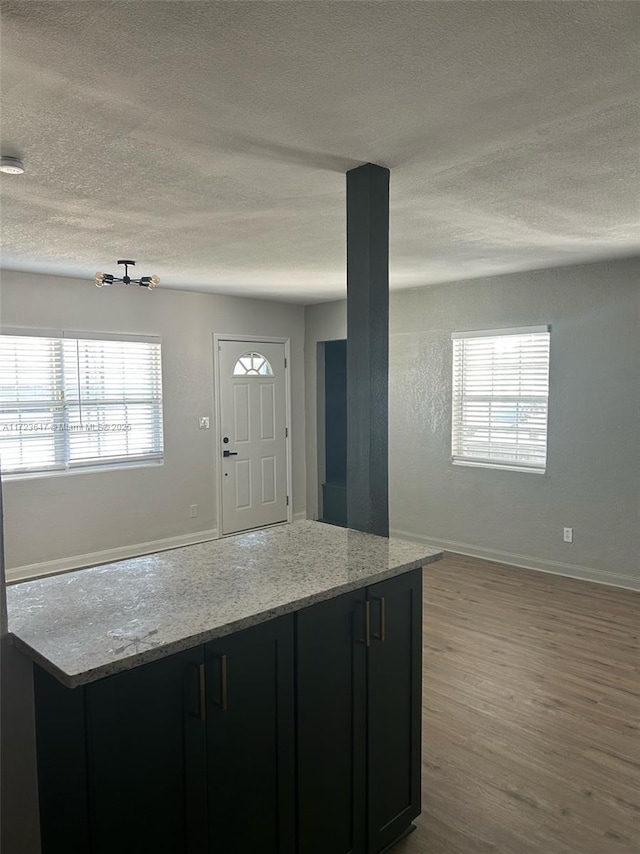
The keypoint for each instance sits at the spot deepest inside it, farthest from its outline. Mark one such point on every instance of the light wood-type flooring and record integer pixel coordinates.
(531, 714)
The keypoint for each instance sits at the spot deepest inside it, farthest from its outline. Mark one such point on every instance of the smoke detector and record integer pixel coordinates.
(11, 165)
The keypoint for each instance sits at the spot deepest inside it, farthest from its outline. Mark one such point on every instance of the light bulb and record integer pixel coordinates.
(155, 280)
(99, 283)
(99, 275)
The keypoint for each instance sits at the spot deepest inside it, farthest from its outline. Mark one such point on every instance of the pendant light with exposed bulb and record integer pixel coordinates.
(105, 279)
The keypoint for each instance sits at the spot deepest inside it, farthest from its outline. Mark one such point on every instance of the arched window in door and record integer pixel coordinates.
(252, 365)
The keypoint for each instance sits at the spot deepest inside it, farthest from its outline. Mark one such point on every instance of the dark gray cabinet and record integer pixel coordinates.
(394, 708)
(250, 741)
(359, 667)
(146, 761)
(191, 754)
(331, 687)
(122, 762)
(297, 736)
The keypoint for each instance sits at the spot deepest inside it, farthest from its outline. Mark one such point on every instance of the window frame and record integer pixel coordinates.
(457, 421)
(252, 372)
(108, 464)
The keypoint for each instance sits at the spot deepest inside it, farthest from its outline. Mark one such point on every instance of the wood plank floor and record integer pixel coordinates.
(531, 714)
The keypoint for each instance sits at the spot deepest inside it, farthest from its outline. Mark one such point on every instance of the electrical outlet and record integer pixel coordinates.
(568, 535)
(193, 511)
(203, 422)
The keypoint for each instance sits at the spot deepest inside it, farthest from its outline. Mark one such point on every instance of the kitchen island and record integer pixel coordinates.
(256, 693)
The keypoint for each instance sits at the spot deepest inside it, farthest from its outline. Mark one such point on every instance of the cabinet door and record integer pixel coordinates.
(250, 737)
(331, 663)
(62, 766)
(146, 759)
(394, 707)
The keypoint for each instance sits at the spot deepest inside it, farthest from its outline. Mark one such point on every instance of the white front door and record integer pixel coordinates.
(253, 444)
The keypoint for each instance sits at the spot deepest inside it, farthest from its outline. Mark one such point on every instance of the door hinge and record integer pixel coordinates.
(287, 500)
(286, 432)
(285, 362)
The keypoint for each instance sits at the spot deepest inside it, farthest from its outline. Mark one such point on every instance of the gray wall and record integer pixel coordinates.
(593, 475)
(54, 517)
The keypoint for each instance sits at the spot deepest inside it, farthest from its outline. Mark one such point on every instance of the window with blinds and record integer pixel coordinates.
(72, 401)
(500, 398)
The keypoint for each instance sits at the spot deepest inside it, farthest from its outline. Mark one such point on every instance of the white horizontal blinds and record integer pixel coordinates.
(70, 401)
(113, 390)
(31, 404)
(500, 397)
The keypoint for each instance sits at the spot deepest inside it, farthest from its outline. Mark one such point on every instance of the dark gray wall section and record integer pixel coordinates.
(323, 322)
(368, 350)
(335, 403)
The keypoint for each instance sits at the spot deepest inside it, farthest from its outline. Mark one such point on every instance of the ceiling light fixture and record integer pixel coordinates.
(11, 165)
(103, 279)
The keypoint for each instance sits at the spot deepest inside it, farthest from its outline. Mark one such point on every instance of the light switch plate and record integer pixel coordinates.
(203, 422)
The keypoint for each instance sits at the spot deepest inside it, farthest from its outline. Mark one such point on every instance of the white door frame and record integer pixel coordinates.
(257, 339)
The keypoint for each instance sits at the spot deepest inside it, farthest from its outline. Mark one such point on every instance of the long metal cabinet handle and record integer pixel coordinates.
(203, 692)
(366, 640)
(367, 623)
(383, 620)
(224, 697)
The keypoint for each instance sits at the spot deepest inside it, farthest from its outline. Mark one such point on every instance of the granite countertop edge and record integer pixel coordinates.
(86, 677)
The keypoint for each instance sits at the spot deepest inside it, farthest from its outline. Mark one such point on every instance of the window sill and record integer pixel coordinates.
(498, 466)
(37, 475)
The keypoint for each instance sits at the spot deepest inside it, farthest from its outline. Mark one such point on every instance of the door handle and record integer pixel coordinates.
(223, 701)
(226, 453)
(202, 691)
(366, 640)
(224, 696)
(383, 619)
(195, 691)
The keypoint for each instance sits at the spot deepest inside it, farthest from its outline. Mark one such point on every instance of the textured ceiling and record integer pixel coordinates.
(209, 140)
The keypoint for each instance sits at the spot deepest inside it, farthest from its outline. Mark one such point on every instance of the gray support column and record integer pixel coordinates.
(367, 348)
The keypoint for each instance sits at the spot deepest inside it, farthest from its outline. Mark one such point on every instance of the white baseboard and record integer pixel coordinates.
(66, 564)
(570, 570)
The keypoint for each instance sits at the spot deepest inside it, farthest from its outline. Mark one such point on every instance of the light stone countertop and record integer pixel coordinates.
(91, 623)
